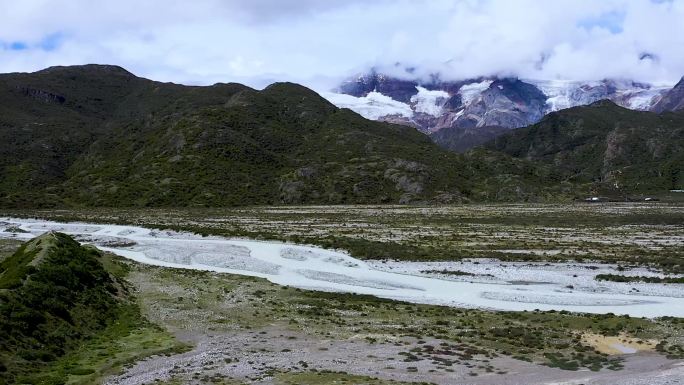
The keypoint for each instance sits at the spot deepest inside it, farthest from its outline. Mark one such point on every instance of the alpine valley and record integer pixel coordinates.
(97, 135)
(266, 193)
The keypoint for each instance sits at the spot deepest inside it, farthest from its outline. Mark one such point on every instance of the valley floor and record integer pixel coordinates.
(484, 284)
(264, 334)
(649, 234)
(248, 330)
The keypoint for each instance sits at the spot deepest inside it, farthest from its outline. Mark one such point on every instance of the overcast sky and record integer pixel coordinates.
(319, 42)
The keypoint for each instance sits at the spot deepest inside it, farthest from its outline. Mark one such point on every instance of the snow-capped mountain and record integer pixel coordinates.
(628, 94)
(484, 102)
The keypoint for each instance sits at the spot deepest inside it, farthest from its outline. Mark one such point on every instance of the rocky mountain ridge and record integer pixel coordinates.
(487, 102)
(605, 144)
(672, 100)
(101, 136)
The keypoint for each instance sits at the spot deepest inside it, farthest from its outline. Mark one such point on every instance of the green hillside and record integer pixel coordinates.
(54, 295)
(100, 136)
(609, 146)
(66, 315)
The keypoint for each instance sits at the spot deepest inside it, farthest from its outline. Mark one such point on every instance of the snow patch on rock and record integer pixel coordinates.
(429, 102)
(471, 91)
(372, 106)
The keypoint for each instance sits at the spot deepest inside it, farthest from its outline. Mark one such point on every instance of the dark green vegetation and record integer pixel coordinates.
(460, 139)
(644, 234)
(626, 278)
(100, 136)
(59, 307)
(448, 272)
(618, 151)
(457, 273)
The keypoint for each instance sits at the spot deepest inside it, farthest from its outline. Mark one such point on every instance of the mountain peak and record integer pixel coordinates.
(508, 102)
(603, 103)
(88, 68)
(296, 95)
(287, 87)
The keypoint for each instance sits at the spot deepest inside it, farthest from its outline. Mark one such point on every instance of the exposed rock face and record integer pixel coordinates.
(464, 106)
(508, 103)
(400, 90)
(673, 100)
(461, 107)
(43, 96)
(408, 176)
(628, 94)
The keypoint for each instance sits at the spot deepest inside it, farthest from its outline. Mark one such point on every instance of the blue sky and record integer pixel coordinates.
(319, 42)
(611, 21)
(48, 43)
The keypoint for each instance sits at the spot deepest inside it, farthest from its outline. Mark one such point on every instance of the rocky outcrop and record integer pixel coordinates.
(508, 103)
(397, 89)
(43, 96)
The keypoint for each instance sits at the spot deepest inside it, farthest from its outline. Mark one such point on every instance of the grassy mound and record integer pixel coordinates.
(56, 299)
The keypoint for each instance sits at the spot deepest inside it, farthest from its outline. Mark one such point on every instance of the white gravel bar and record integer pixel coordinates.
(493, 285)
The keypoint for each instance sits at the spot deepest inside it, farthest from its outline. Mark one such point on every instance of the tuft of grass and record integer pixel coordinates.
(628, 278)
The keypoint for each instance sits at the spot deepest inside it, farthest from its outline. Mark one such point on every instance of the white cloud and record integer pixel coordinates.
(319, 42)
